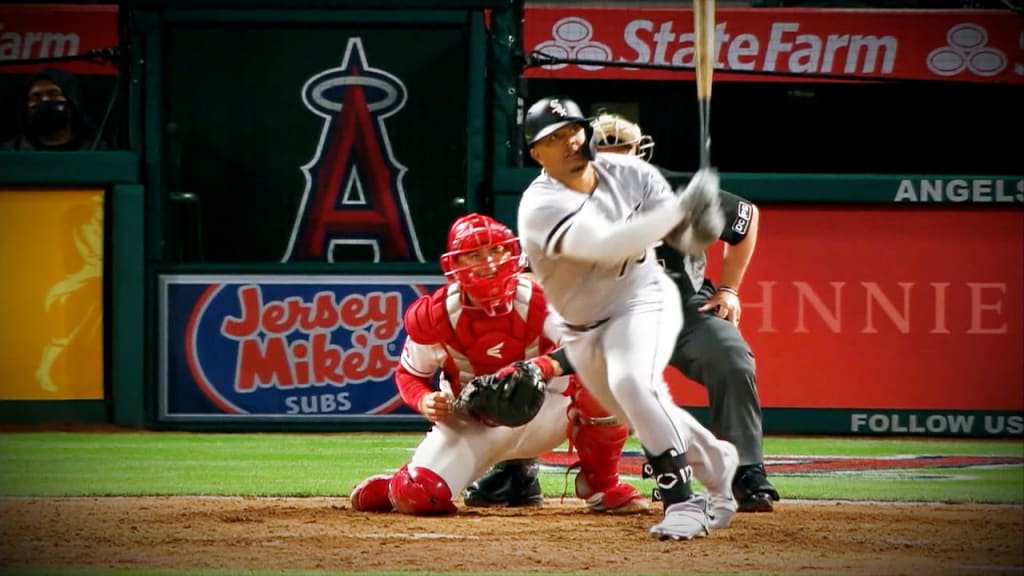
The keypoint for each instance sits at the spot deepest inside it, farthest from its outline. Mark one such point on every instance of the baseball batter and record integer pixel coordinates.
(489, 316)
(588, 226)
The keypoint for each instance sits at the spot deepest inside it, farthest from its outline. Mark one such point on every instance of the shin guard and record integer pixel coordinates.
(598, 439)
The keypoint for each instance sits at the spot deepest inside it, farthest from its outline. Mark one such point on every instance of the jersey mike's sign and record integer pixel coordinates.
(282, 347)
(962, 45)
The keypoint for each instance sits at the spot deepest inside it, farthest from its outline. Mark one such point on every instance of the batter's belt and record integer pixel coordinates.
(585, 327)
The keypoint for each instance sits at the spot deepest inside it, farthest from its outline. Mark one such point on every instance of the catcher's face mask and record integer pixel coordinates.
(484, 258)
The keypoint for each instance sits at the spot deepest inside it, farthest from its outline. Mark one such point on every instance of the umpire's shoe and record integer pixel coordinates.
(511, 483)
(752, 490)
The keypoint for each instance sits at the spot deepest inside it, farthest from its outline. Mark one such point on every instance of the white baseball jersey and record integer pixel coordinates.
(598, 277)
(593, 254)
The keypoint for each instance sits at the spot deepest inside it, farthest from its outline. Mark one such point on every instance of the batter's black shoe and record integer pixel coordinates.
(752, 490)
(512, 483)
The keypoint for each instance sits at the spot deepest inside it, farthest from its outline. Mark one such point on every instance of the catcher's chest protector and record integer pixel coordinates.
(481, 344)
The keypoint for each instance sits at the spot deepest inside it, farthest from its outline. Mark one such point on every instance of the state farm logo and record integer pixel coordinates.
(21, 45)
(788, 47)
(655, 44)
(967, 49)
(571, 39)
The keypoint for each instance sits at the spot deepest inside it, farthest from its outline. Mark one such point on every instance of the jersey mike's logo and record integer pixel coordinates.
(305, 348)
(354, 203)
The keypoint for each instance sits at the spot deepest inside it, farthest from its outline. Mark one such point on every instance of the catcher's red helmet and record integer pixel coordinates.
(484, 258)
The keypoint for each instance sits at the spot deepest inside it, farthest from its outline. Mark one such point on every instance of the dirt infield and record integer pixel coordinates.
(326, 534)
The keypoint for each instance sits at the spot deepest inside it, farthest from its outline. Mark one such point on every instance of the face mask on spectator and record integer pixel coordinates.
(48, 118)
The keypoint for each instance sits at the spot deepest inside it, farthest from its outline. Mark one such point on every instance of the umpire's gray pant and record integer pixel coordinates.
(712, 352)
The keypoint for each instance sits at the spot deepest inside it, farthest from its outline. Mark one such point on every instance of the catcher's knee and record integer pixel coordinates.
(598, 439)
(587, 409)
(593, 428)
(420, 491)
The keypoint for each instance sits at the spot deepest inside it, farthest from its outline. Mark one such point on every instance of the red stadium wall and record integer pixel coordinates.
(879, 308)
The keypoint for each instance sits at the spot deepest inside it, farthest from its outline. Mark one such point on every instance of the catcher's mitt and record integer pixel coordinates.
(510, 398)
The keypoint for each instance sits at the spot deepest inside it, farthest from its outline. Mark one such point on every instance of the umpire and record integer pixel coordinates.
(710, 349)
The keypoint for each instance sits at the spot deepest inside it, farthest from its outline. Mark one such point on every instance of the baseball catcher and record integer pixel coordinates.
(490, 319)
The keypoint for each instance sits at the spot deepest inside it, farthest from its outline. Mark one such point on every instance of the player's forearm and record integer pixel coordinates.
(411, 387)
(611, 242)
(736, 257)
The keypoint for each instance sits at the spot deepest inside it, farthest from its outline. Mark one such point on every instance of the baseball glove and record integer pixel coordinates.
(512, 397)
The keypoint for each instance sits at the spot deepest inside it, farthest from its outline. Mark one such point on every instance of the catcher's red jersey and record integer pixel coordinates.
(465, 342)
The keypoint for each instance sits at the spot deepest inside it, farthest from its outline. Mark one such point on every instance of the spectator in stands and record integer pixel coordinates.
(52, 117)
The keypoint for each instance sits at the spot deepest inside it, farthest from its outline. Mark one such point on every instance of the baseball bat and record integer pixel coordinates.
(704, 67)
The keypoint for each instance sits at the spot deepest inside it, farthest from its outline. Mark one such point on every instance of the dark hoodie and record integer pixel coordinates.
(82, 128)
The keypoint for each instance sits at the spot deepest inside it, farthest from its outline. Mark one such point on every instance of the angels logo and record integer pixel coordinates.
(354, 192)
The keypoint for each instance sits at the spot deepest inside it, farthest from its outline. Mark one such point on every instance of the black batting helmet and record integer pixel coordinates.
(549, 114)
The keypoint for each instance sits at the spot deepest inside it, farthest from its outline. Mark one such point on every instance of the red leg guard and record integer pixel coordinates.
(371, 495)
(598, 439)
(420, 492)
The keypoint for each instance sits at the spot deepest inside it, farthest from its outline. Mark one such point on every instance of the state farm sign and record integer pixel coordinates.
(40, 31)
(965, 45)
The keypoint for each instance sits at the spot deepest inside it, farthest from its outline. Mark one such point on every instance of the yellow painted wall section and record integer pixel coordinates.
(51, 294)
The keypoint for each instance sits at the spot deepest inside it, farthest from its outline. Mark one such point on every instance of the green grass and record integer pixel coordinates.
(843, 446)
(289, 464)
(74, 464)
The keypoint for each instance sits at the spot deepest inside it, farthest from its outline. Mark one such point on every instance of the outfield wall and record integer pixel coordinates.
(864, 319)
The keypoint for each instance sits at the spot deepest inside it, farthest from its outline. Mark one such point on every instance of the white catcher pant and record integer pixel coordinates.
(622, 363)
(461, 450)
